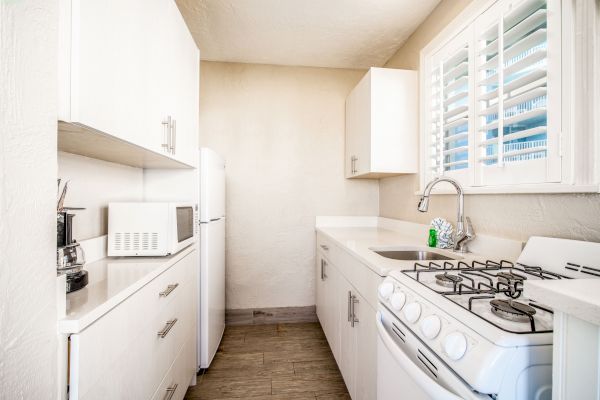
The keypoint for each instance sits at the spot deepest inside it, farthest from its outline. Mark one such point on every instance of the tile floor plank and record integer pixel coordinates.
(286, 361)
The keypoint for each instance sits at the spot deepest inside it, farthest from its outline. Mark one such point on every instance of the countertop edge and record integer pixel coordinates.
(68, 325)
(547, 293)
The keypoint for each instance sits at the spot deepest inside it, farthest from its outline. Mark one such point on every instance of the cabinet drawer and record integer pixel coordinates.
(178, 377)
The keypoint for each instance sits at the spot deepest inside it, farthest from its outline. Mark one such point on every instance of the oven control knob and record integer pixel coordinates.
(431, 326)
(397, 300)
(455, 345)
(386, 289)
(412, 312)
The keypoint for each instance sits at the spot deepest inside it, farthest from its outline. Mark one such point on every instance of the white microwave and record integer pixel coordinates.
(150, 229)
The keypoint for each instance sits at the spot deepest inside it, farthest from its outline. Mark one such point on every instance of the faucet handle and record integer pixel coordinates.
(469, 231)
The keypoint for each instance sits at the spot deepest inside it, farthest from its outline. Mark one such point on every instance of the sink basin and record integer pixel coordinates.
(413, 255)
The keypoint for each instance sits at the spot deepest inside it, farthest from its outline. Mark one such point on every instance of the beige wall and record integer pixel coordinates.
(93, 184)
(281, 130)
(574, 216)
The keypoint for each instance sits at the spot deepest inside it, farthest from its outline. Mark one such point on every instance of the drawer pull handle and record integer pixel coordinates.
(165, 331)
(170, 391)
(325, 247)
(168, 290)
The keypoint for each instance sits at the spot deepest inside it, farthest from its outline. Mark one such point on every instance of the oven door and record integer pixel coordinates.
(406, 369)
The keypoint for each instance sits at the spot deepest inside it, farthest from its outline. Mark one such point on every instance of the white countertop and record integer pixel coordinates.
(360, 241)
(112, 280)
(577, 297)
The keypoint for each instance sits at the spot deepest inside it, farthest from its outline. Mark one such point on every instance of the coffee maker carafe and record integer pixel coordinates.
(70, 257)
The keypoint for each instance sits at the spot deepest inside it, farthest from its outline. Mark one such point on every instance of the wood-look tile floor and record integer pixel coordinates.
(272, 362)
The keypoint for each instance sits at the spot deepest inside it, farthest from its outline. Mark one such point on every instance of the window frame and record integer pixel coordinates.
(576, 167)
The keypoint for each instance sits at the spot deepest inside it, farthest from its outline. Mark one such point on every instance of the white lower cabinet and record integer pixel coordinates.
(348, 320)
(148, 341)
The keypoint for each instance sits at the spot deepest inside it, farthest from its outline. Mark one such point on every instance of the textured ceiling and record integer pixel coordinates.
(320, 33)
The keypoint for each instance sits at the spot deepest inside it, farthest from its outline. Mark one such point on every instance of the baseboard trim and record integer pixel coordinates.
(275, 315)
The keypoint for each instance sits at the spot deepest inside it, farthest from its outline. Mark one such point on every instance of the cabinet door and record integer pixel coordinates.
(366, 350)
(347, 361)
(107, 61)
(186, 91)
(331, 306)
(321, 295)
(358, 128)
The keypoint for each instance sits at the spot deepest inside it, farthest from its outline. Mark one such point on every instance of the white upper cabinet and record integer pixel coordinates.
(381, 125)
(126, 69)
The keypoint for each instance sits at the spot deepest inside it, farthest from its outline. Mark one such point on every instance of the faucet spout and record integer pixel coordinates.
(462, 235)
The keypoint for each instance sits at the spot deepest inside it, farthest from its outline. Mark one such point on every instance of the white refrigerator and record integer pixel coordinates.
(211, 310)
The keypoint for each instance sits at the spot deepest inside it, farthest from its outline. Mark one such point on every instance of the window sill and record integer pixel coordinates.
(542, 188)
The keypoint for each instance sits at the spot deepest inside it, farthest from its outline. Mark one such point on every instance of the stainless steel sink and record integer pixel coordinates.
(413, 255)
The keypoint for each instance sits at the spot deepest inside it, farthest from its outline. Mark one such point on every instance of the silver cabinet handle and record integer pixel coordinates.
(323, 265)
(170, 391)
(174, 136)
(168, 290)
(349, 306)
(325, 247)
(166, 133)
(354, 320)
(165, 331)
(353, 167)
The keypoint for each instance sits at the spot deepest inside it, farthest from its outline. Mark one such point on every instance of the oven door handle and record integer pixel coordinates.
(431, 387)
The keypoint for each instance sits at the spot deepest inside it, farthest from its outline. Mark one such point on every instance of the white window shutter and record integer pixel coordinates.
(512, 132)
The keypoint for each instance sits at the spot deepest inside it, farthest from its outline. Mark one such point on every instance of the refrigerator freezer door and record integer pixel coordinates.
(212, 289)
(212, 185)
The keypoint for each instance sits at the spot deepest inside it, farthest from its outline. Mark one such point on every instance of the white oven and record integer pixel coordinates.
(407, 369)
(150, 229)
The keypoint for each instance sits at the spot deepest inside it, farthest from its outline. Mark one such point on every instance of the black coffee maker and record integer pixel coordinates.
(70, 257)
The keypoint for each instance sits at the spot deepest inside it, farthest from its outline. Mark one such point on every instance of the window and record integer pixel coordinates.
(492, 105)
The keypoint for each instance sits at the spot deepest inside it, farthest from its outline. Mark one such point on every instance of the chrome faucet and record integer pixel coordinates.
(463, 235)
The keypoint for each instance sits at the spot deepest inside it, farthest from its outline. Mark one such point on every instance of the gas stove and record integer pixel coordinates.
(492, 290)
(475, 320)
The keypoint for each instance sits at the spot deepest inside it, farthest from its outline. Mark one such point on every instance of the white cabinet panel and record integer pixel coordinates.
(125, 67)
(381, 125)
(338, 301)
(105, 358)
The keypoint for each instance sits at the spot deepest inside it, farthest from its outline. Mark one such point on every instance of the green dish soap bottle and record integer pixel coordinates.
(432, 241)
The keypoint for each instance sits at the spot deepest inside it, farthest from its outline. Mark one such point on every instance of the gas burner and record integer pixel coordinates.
(447, 280)
(510, 277)
(512, 310)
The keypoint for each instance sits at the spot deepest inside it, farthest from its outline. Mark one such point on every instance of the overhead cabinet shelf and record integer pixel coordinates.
(129, 86)
(381, 125)
(86, 141)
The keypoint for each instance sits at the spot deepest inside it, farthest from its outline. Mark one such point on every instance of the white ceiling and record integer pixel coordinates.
(320, 33)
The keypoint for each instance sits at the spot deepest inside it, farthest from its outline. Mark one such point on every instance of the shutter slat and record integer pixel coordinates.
(525, 80)
(453, 99)
(456, 123)
(535, 20)
(525, 62)
(454, 112)
(521, 98)
(514, 119)
(456, 84)
(538, 130)
(454, 163)
(457, 71)
(457, 137)
(530, 41)
(454, 150)
(460, 55)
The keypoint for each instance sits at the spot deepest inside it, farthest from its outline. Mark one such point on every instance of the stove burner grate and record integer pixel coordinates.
(510, 277)
(512, 310)
(447, 280)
